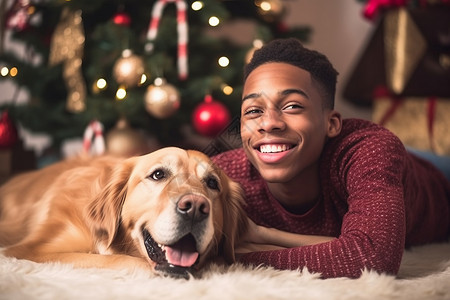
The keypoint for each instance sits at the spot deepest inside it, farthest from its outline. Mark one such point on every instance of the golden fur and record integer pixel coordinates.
(94, 212)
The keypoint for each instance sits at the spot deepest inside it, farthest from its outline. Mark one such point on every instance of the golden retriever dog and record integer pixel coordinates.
(171, 211)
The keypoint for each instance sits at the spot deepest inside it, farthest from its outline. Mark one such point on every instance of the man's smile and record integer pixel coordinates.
(273, 152)
(274, 148)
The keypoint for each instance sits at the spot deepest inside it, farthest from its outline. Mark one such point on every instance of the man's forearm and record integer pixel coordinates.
(284, 239)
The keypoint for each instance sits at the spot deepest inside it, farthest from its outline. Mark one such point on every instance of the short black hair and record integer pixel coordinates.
(291, 51)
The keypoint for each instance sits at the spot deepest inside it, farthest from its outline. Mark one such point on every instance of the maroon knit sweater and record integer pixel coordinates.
(375, 198)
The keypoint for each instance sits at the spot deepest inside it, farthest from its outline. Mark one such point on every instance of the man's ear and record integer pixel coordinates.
(334, 123)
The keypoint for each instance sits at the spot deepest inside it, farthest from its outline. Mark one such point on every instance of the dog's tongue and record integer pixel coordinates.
(183, 253)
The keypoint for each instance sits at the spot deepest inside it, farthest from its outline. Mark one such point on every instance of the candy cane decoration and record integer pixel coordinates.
(19, 17)
(182, 29)
(94, 132)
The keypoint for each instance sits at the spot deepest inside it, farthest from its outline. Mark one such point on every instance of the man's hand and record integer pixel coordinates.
(260, 238)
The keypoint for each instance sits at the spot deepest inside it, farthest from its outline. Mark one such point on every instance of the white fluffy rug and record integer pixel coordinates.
(424, 274)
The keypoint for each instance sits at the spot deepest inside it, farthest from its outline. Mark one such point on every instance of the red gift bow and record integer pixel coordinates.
(373, 6)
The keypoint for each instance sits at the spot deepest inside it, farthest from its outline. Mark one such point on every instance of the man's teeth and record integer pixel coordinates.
(273, 148)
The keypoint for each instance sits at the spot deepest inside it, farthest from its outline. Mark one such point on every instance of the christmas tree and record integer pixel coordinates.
(156, 64)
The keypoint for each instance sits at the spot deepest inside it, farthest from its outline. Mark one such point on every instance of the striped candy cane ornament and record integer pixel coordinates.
(182, 29)
(94, 132)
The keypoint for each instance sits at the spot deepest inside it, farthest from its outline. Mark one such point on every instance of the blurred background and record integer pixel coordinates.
(129, 76)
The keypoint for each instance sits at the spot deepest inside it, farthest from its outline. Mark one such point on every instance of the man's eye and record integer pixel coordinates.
(293, 106)
(252, 111)
(158, 175)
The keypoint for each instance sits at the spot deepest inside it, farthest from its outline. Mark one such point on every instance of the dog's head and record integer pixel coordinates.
(172, 206)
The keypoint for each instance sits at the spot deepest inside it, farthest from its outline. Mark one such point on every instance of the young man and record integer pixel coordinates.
(335, 196)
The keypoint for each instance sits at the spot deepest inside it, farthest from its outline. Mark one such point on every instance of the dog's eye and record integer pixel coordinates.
(158, 175)
(212, 183)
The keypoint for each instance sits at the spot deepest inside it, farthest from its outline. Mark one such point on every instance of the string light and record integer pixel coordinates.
(265, 6)
(197, 5)
(213, 21)
(13, 72)
(4, 71)
(98, 85)
(257, 43)
(224, 61)
(121, 93)
(158, 81)
(101, 83)
(31, 10)
(143, 79)
(227, 90)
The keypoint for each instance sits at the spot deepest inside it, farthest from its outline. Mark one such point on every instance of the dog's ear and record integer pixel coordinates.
(235, 220)
(103, 213)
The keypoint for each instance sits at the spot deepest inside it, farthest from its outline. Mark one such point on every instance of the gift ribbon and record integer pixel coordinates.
(396, 102)
(94, 132)
(431, 109)
(182, 29)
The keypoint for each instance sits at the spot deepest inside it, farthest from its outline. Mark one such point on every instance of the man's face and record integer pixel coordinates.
(283, 123)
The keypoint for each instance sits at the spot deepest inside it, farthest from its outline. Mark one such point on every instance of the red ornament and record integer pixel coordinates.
(122, 19)
(210, 117)
(8, 132)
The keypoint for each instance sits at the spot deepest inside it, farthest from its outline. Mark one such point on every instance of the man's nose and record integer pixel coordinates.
(272, 120)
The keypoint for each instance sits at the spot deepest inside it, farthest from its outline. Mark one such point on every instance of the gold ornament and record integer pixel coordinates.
(125, 141)
(162, 99)
(128, 69)
(67, 46)
(270, 10)
(404, 47)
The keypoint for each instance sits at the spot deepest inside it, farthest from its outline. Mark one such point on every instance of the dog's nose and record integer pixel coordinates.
(194, 207)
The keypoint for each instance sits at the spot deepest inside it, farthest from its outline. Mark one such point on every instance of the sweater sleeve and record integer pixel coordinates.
(367, 173)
